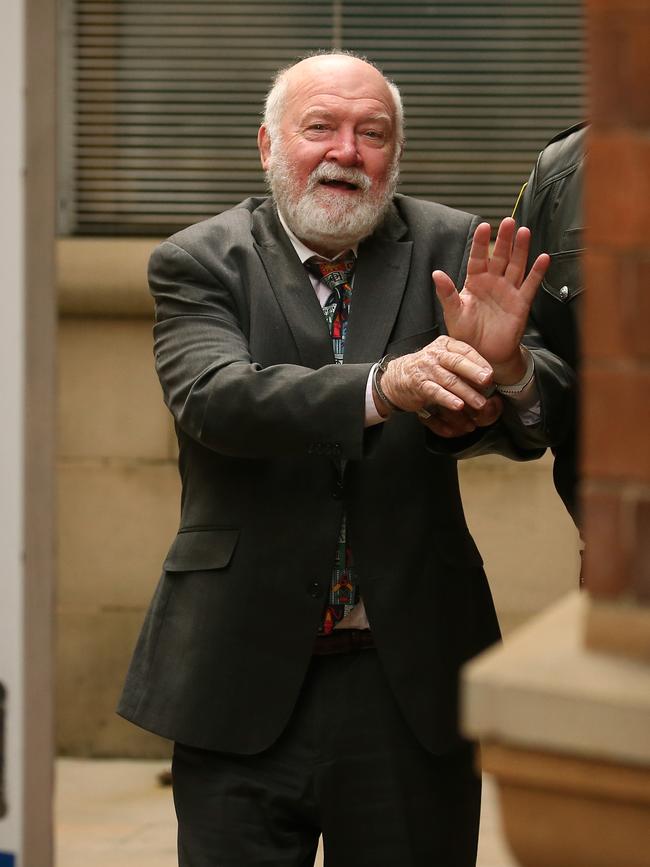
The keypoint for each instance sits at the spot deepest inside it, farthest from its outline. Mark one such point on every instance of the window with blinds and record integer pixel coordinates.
(160, 101)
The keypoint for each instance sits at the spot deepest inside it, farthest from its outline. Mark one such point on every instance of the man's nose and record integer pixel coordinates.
(344, 150)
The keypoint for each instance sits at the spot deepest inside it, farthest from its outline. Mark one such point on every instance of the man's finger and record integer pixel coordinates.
(479, 253)
(465, 367)
(447, 295)
(451, 424)
(535, 276)
(502, 247)
(450, 344)
(517, 266)
(489, 414)
(441, 429)
(439, 385)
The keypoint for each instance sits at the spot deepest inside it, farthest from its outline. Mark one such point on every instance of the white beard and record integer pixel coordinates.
(322, 219)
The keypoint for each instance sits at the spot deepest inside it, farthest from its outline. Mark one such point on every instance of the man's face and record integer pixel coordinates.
(334, 169)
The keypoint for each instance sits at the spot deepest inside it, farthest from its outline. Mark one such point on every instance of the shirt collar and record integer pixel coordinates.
(303, 250)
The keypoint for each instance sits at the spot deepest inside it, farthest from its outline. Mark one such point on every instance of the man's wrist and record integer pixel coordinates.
(382, 409)
(512, 371)
(377, 376)
(507, 385)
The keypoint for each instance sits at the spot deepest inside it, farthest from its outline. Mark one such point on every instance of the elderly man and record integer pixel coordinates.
(303, 645)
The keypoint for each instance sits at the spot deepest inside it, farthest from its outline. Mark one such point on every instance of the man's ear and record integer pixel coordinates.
(264, 146)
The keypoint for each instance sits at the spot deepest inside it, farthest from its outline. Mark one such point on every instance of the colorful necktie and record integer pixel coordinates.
(337, 276)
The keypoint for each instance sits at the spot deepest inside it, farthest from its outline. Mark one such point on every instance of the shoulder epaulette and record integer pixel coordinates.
(561, 156)
(567, 132)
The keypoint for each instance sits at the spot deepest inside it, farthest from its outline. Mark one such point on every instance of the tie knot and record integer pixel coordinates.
(333, 274)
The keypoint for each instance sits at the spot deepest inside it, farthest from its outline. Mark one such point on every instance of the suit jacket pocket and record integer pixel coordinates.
(197, 549)
(413, 342)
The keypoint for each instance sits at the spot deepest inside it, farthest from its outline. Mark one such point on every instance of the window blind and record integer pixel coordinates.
(161, 100)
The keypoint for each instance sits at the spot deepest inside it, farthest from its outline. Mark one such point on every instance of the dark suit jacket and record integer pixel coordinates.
(551, 207)
(263, 417)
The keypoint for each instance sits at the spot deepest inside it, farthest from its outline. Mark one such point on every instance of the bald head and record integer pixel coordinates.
(330, 144)
(330, 69)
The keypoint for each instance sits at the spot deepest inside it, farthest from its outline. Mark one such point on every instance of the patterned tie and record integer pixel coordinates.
(337, 276)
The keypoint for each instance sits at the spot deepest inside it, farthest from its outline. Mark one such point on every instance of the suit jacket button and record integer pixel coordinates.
(315, 589)
(337, 490)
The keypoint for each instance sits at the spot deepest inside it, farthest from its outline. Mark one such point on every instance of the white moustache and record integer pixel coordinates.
(331, 172)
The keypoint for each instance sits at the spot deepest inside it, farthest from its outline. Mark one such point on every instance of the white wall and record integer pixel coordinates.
(12, 160)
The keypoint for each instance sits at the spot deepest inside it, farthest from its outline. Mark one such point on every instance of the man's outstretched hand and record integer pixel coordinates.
(490, 312)
(486, 321)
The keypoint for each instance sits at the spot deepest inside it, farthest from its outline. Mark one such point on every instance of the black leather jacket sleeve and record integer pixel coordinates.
(551, 207)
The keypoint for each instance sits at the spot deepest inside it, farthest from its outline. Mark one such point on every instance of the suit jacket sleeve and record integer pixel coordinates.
(219, 395)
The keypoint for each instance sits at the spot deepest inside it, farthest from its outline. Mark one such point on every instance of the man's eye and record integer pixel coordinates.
(318, 127)
(373, 133)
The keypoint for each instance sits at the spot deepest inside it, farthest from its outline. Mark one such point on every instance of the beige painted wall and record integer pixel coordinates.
(118, 498)
(527, 539)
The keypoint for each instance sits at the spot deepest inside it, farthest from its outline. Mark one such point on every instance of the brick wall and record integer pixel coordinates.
(616, 411)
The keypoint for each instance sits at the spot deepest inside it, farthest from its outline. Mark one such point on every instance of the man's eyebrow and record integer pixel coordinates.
(377, 117)
(328, 114)
(315, 111)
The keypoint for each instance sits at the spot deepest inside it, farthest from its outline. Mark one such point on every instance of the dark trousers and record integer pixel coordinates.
(346, 766)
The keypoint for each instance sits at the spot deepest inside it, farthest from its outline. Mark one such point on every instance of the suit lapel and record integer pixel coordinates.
(292, 288)
(379, 283)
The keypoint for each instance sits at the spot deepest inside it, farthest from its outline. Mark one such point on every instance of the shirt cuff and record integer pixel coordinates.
(372, 416)
(527, 403)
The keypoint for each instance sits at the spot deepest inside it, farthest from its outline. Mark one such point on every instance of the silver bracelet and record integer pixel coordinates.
(518, 387)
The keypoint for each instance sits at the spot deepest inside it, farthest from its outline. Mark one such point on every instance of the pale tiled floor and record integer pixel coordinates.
(114, 814)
